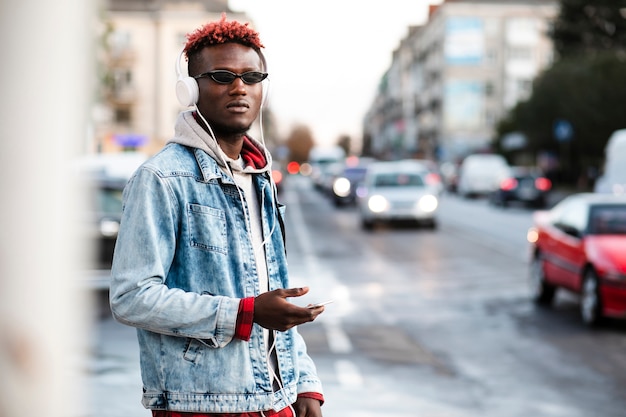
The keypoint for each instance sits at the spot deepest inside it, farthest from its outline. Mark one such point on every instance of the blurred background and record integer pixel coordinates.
(445, 164)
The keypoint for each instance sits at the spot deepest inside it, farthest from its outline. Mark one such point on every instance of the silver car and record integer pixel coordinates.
(396, 191)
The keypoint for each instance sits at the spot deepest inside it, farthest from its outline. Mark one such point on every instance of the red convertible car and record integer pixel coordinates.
(580, 245)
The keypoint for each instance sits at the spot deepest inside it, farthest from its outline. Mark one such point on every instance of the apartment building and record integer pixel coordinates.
(452, 79)
(142, 40)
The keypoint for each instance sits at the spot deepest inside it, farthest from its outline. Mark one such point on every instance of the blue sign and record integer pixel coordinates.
(130, 140)
(563, 130)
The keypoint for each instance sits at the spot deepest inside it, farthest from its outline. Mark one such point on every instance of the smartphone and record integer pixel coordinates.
(321, 304)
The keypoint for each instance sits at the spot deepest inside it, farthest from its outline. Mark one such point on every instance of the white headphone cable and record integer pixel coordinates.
(273, 375)
(228, 167)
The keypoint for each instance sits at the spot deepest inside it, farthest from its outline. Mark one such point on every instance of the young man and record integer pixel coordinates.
(200, 267)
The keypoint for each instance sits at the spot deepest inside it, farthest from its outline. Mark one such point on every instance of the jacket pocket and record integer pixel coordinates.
(207, 228)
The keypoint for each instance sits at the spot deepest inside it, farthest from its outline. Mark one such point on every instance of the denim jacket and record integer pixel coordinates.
(182, 262)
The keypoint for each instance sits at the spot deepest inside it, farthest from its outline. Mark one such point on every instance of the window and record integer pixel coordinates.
(573, 216)
(122, 115)
(609, 219)
(399, 180)
(519, 53)
(120, 41)
(524, 86)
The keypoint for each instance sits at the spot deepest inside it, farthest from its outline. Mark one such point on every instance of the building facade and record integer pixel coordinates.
(141, 41)
(452, 79)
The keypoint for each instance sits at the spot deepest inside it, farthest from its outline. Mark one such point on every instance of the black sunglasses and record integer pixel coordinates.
(227, 77)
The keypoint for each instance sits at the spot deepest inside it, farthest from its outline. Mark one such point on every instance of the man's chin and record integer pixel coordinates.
(231, 130)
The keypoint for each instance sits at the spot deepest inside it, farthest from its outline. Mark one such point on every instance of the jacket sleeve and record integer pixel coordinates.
(143, 255)
(308, 381)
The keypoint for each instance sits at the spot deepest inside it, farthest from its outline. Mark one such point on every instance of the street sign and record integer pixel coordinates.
(563, 130)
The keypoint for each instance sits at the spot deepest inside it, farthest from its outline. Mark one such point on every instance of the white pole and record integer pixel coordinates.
(46, 84)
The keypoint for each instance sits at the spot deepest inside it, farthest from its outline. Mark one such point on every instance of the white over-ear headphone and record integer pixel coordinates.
(186, 87)
(187, 90)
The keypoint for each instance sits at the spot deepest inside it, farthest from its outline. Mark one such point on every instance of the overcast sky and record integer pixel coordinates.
(326, 57)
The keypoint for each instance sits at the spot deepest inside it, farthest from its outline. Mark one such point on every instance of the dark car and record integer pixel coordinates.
(579, 245)
(525, 187)
(345, 183)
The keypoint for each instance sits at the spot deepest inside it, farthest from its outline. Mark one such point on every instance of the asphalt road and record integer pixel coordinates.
(424, 323)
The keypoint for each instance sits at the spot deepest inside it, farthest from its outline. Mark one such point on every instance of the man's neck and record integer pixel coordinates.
(232, 146)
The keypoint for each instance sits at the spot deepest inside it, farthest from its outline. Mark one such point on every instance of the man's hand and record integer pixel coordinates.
(307, 407)
(274, 312)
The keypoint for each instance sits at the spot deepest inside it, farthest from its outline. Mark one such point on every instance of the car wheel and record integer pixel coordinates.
(541, 292)
(590, 302)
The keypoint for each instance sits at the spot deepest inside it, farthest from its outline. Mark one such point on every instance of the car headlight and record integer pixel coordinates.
(428, 203)
(109, 228)
(377, 204)
(532, 235)
(341, 187)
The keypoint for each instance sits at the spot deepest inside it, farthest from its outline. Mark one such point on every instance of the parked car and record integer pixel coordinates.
(524, 186)
(481, 174)
(102, 180)
(105, 205)
(393, 191)
(579, 245)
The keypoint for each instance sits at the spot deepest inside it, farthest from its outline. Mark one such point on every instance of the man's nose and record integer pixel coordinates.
(239, 87)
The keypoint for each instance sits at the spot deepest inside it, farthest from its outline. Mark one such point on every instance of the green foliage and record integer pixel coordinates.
(586, 86)
(585, 26)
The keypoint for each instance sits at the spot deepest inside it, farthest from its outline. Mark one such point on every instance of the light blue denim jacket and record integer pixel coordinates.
(182, 262)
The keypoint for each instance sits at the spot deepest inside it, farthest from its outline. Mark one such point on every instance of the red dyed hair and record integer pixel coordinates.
(215, 33)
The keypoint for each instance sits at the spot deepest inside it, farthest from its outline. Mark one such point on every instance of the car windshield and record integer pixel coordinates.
(398, 180)
(608, 220)
(355, 173)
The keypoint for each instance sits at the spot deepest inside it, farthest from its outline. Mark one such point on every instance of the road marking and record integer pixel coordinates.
(348, 373)
(338, 340)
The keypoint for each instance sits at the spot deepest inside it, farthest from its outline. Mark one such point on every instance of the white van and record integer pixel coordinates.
(481, 174)
(613, 180)
(325, 163)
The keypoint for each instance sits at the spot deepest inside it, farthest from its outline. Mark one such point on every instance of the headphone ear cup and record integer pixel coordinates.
(187, 91)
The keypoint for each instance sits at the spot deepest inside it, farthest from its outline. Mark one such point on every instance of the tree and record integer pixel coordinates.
(300, 142)
(589, 93)
(584, 27)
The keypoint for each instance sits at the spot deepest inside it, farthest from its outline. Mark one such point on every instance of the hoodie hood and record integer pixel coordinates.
(188, 132)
